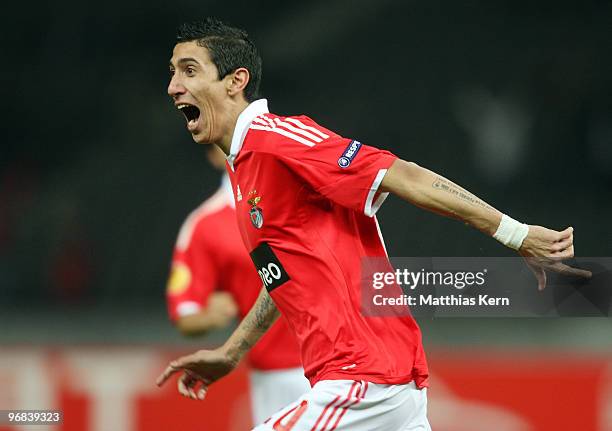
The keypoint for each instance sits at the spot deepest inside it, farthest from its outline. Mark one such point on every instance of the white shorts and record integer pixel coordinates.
(340, 405)
(272, 390)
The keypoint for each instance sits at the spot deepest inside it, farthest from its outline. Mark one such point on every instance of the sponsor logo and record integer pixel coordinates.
(255, 213)
(349, 154)
(268, 266)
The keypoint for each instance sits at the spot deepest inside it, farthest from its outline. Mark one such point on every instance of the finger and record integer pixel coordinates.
(181, 385)
(564, 269)
(185, 386)
(184, 361)
(196, 376)
(564, 254)
(204, 380)
(562, 237)
(169, 371)
(202, 392)
(191, 381)
(562, 244)
(541, 276)
(173, 367)
(190, 388)
(566, 233)
(539, 273)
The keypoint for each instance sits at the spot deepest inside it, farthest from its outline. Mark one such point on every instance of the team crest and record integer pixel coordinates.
(256, 213)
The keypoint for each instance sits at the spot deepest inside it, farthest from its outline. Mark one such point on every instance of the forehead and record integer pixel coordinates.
(190, 51)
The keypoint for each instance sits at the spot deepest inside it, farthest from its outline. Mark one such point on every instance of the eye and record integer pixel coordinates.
(171, 72)
(190, 71)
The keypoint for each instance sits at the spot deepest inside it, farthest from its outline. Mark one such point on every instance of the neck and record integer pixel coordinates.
(226, 141)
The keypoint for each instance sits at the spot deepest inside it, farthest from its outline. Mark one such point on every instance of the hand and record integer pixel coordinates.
(221, 308)
(544, 249)
(200, 370)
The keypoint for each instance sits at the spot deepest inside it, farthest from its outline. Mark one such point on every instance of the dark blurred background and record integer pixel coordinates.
(511, 99)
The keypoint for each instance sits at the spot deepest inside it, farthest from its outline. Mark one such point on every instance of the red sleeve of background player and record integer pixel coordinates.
(343, 170)
(193, 274)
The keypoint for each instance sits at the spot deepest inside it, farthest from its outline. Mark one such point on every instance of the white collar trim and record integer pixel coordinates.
(245, 118)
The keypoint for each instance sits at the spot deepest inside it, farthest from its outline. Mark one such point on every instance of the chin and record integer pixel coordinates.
(198, 138)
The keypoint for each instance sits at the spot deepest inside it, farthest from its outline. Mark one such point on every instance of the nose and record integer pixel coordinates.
(175, 88)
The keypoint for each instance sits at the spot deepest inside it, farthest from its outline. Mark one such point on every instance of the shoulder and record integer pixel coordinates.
(201, 219)
(285, 135)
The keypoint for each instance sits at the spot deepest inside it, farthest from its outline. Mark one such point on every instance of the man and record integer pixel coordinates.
(305, 202)
(212, 280)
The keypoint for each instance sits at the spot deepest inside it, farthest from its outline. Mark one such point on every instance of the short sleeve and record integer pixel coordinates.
(345, 171)
(193, 277)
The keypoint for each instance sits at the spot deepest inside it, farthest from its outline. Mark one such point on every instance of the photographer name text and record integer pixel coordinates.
(444, 300)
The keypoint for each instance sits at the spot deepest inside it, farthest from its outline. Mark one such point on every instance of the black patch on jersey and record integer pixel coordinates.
(268, 266)
(349, 154)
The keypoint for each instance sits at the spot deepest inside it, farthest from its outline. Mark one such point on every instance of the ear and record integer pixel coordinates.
(238, 81)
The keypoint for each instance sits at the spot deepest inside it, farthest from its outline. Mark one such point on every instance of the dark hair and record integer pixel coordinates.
(229, 48)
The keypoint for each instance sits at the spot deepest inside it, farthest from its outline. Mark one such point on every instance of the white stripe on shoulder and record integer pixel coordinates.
(296, 130)
(305, 127)
(285, 133)
(215, 203)
(269, 121)
(260, 120)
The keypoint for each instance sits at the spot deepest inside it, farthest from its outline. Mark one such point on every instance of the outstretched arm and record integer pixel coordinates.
(542, 248)
(218, 313)
(204, 367)
(435, 193)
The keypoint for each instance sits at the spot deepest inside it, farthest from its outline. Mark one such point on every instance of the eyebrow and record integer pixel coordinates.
(184, 60)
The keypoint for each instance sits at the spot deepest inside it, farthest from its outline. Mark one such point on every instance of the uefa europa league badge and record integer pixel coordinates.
(255, 213)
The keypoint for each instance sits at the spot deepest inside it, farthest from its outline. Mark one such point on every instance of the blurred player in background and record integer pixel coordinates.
(306, 200)
(212, 281)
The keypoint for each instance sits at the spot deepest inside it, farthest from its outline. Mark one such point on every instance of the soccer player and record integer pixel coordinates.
(212, 280)
(306, 200)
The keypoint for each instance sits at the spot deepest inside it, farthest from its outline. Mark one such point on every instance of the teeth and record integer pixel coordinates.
(182, 106)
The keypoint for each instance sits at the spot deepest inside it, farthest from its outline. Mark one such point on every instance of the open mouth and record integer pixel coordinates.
(191, 113)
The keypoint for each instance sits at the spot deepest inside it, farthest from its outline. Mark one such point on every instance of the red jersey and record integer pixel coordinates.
(305, 202)
(209, 255)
